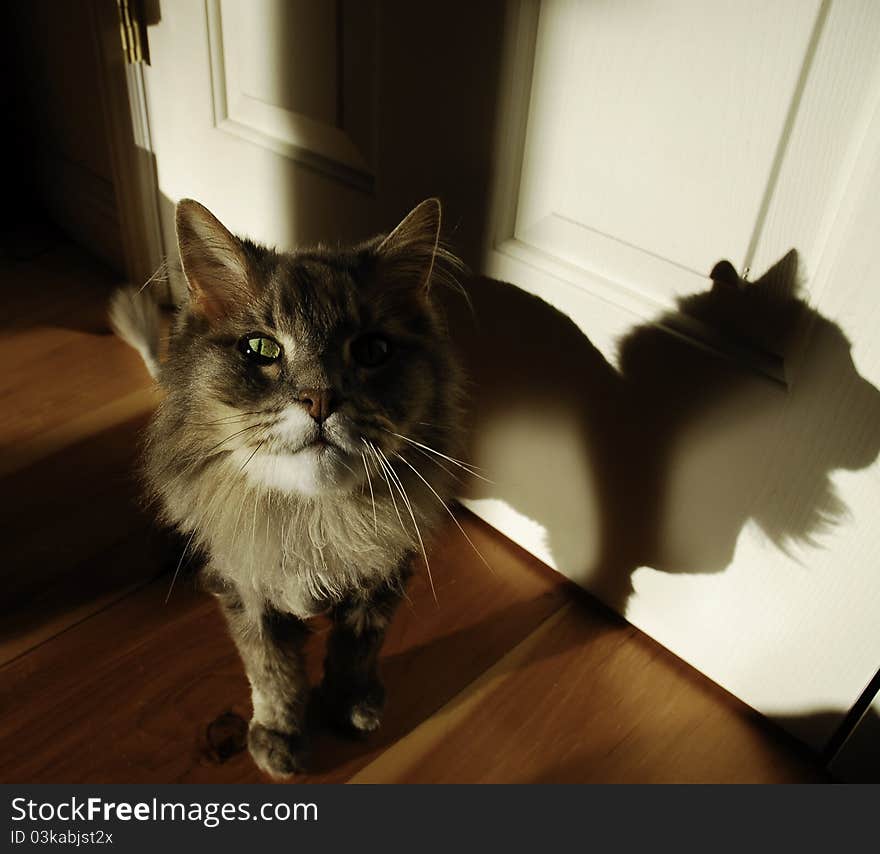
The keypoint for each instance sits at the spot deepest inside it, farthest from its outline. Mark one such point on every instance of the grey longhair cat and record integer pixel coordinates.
(307, 445)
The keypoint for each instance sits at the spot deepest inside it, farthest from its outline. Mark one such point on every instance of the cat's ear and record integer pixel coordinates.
(407, 255)
(213, 260)
(724, 275)
(781, 280)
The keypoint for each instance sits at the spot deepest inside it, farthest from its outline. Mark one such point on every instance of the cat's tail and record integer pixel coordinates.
(134, 317)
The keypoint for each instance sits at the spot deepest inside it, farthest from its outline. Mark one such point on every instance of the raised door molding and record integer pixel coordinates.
(320, 111)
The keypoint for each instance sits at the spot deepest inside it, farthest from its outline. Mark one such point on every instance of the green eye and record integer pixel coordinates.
(259, 349)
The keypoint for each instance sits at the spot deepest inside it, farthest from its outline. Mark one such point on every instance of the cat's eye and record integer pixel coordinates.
(259, 349)
(371, 350)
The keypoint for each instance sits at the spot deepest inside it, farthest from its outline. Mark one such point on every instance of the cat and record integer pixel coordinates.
(307, 445)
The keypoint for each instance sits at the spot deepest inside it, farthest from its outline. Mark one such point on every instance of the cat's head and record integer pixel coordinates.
(301, 369)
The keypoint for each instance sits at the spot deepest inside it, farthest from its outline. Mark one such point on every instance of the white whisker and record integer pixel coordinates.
(406, 500)
(372, 496)
(437, 462)
(179, 564)
(446, 508)
(160, 270)
(231, 436)
(253, 453)
(460, 463)
(226, 419)
(390, 490)
(254, 520)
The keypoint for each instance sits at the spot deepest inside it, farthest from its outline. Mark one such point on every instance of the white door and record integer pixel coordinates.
(298, 121)
(718, 483)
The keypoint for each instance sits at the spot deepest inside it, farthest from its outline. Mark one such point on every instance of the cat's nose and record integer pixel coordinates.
(318, 402)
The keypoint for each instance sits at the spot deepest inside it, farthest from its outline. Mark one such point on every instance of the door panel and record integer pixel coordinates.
(265, 112)
(654, 127)
(297, 78)
(722, 500)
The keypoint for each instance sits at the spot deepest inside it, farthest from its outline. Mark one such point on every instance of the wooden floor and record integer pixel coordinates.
(512, 676)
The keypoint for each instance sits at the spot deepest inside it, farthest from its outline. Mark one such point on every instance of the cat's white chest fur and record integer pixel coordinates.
(298, 555)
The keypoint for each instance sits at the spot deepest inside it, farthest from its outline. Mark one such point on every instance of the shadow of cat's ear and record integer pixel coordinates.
(782, 280)
(724, 275)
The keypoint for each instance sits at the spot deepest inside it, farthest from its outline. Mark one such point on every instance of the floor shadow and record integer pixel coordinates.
(47, 281)
(661, 460)
(78, 533)
(858, 758)
(454, 659)
(455, 651)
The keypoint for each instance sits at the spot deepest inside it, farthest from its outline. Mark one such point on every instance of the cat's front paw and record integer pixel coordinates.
(365, 717)
(278, 754)
(353, 713)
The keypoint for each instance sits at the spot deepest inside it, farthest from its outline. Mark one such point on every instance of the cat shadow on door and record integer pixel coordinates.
(661, 460)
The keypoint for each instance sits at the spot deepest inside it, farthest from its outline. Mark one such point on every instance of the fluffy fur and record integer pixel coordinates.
(135, 319)
(297, 513)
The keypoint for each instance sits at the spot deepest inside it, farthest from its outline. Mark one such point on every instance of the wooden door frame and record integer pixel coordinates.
(123, 100)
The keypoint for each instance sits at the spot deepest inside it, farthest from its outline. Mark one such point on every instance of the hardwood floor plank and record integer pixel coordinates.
(53, 376)
(78, 428)
(60, 360)
(587, 698)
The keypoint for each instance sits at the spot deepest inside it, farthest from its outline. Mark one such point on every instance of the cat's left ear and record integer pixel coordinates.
(407, 255)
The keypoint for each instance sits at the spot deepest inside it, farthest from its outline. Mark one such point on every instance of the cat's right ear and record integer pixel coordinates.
(213, 260)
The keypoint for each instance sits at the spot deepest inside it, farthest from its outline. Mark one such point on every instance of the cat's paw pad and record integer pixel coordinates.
(365, 717)
(276, 753)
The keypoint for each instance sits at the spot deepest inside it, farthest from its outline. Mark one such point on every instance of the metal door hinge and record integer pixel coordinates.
(133, 31)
